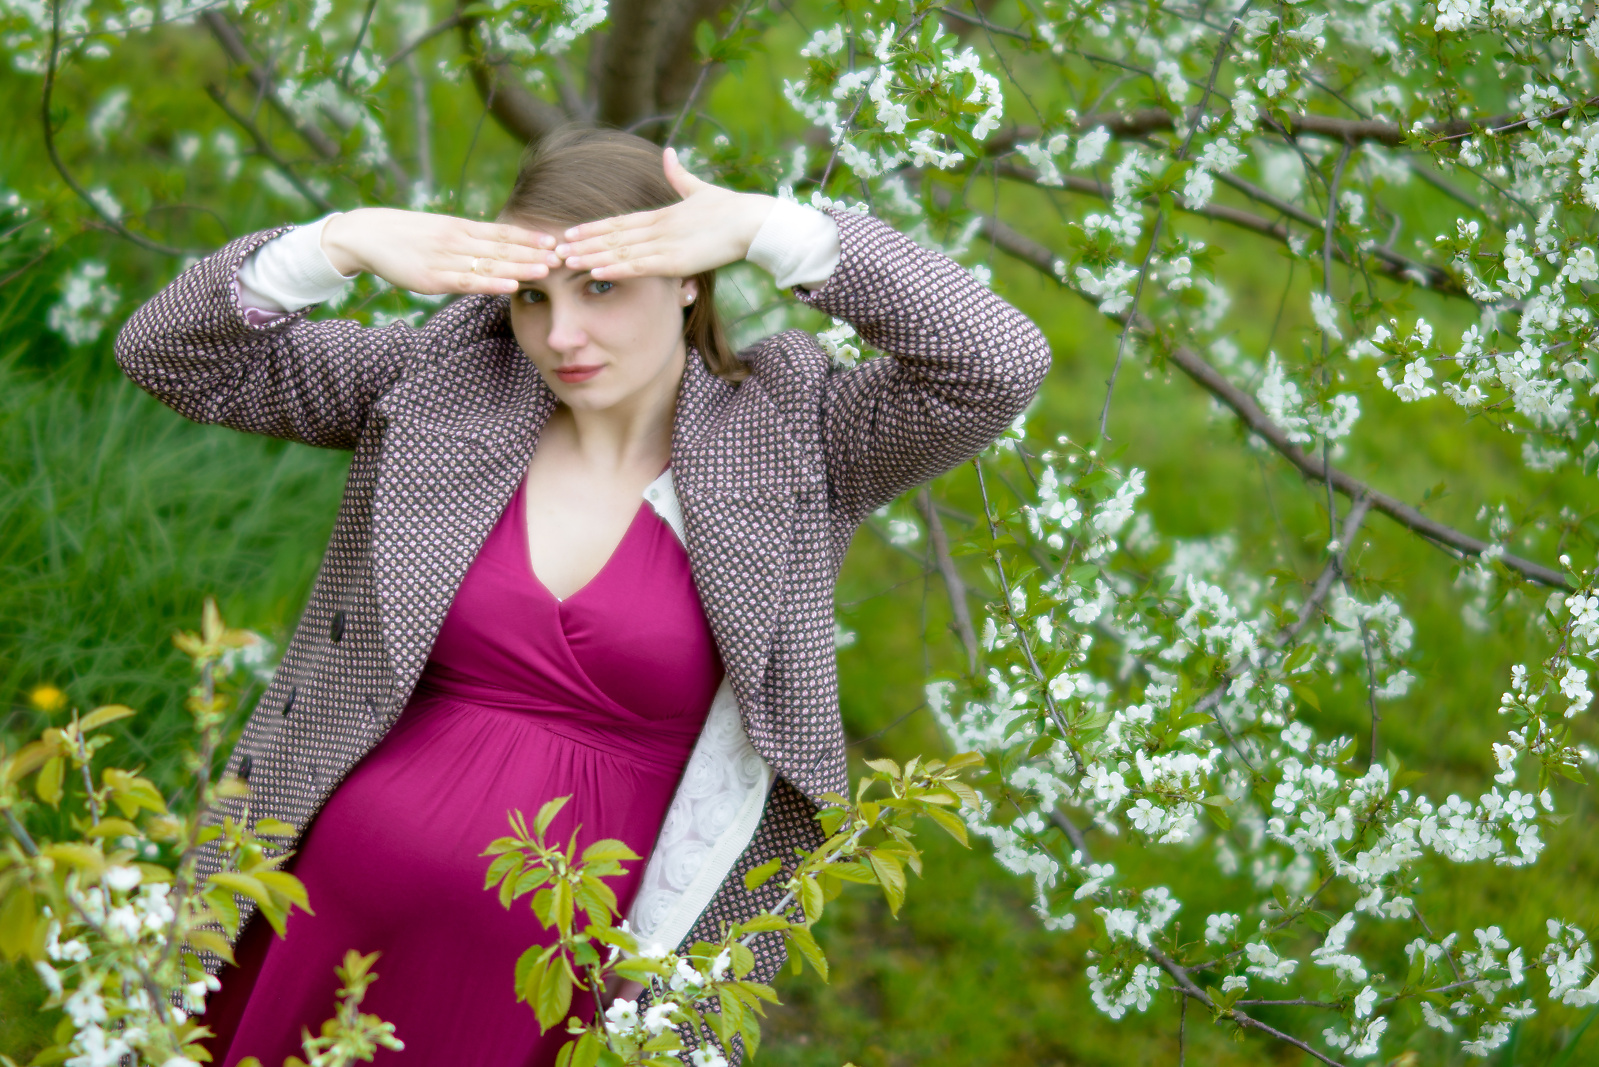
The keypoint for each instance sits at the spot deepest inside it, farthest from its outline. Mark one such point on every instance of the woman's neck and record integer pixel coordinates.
(632, 433)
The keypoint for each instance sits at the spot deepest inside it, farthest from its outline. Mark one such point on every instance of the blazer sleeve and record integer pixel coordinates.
(960, 365)
(193, 348)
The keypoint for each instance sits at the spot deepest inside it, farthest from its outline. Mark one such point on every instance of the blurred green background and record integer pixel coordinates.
(117, 518)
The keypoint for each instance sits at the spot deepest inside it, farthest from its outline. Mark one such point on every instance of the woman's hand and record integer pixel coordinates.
(428, 253)
(709, 228)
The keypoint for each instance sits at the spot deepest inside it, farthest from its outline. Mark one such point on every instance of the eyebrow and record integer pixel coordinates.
(534, 283)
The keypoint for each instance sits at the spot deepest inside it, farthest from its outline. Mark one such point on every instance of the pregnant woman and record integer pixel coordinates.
(584, 549)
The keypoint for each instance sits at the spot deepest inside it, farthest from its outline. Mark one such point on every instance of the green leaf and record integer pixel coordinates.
(743, 959)
(587, 1052)
(811, 899)
(884, 766)
(548, 812)
(762, 923)
(704, 40)
(852, 872)
(1297, 658)
(1306, 694)
(800, 937)
(507, 863)
(103, 715)
(608, 849)
(951, 824)
(48, 784)
(891, 876)
(554, 994)
(756, 877)
(17, 920)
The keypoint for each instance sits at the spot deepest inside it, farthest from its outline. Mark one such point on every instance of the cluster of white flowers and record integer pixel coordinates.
(1139, 763)
(86, 305)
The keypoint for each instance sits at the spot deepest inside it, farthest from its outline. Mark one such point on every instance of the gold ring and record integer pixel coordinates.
(475, 262)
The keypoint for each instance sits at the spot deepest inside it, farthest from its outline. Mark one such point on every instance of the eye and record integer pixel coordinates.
(598, 287)
(531, 296)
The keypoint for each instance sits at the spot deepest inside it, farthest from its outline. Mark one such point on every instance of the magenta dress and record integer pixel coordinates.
(524, 698)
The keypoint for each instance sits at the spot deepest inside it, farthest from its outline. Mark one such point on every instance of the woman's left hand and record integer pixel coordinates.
(709, 228)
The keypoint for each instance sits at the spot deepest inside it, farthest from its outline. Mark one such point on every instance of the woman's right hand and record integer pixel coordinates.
(427, 253)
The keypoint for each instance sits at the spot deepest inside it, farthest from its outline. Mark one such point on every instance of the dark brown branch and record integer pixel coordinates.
(646, 63)
(1389, 262)
(1214, 382)
(1186, 985)
(105, 216)
(239, 53)
(1145, 121)
(520, 113)
(264, 148)
(953, 585)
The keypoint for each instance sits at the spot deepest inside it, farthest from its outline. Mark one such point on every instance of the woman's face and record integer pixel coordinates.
(601, 343)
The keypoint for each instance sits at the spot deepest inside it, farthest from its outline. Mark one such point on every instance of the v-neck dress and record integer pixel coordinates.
(524, 698)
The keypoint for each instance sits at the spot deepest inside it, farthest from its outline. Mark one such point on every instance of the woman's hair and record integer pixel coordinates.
(579, 174)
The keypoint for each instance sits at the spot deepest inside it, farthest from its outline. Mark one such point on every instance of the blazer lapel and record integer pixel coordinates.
(737, 477)
(452, 456)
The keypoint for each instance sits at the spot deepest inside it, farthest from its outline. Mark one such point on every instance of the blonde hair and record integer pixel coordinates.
(579, 174)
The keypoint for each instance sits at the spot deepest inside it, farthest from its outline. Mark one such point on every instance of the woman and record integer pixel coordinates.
(499, 619)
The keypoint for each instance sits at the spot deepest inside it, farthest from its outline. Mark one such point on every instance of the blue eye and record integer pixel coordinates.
(531, 296)
(597, 281)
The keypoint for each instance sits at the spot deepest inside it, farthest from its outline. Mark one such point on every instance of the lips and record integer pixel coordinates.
(580, 373)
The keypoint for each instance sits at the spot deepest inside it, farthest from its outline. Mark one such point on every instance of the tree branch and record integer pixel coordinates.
(1186, 985)
(1124, 124)
(442, 26)
(1214, 382)
(264, 147)
(519, 113)
(233, 44)
(1392, 263)
(953, 585)
(105, 216)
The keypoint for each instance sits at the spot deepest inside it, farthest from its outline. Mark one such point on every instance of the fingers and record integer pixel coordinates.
(466, 282)
(678, 175)
(509, 234)
(638, 220)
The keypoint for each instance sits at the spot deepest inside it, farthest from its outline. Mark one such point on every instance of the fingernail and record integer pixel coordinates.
(571, 234)
(562, 249)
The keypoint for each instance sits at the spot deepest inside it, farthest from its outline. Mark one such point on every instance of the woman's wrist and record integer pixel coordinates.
(337, 244)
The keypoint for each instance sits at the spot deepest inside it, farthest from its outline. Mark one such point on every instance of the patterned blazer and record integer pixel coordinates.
(772, 476)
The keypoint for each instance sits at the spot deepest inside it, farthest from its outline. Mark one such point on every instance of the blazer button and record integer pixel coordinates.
(245, 767)
(288, 705)
(336, 630)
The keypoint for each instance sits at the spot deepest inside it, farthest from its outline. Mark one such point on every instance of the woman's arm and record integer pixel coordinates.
(962, 364)
(195, 347)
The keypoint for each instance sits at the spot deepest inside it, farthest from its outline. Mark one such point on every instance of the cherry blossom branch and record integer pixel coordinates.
(1186, 985)
(1245, 407)
(1144, 121)
(1390, 262)
(1160, 217)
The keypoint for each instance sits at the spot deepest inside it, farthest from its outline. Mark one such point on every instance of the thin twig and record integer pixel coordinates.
(55, 156)
(443, 26)
(360, 36)
(1256, 419)
(705, 70)
(265, 149)
(1160, 216)
(1016, 626)
(953, 585)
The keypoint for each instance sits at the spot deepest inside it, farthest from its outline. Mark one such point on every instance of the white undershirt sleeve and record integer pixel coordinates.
(797, 244)
(290, 271)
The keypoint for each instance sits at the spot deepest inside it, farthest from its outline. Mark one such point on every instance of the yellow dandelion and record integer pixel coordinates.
(47, 698)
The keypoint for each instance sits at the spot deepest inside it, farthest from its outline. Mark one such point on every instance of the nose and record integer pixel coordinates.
(567, 333)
